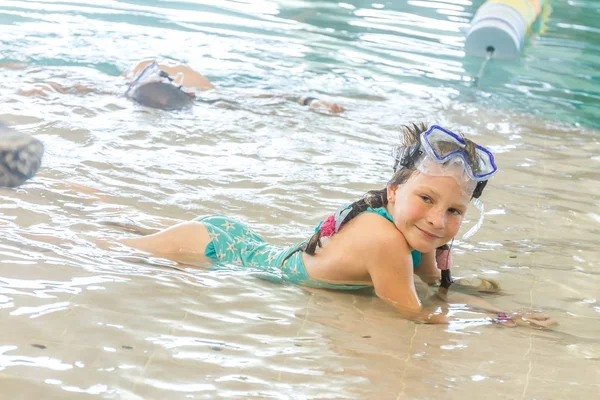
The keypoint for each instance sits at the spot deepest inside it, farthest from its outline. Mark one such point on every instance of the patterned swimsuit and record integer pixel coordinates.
(234, 243)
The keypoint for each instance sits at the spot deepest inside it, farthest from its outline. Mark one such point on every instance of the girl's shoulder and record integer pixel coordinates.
(377, 232)
(378, 243)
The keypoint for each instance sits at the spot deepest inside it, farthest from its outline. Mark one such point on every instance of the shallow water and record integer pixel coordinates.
(80, 320)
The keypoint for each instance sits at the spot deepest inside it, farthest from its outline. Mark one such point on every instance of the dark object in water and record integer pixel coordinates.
(20, 156)
(446, 277)
(162, 95)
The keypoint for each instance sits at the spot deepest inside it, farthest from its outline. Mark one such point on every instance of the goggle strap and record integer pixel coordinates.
(164, 74)
(409, 155)
(479, 205)
(141, 75)
(479, 189)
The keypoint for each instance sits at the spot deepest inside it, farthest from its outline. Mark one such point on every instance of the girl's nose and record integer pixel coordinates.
(436, 218)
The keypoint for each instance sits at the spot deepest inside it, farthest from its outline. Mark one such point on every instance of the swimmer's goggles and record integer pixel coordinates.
(446, 147)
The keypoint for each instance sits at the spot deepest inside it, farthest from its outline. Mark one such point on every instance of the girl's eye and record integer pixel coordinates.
(455, 211)
(425, 199)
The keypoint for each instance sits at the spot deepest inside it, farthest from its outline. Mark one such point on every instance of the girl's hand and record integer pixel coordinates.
(532, 319)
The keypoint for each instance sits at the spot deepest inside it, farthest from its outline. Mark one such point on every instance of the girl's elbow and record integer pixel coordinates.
(409, 309)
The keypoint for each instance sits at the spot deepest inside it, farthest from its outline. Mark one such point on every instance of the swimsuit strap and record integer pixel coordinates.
(380, 211)
(333, 223)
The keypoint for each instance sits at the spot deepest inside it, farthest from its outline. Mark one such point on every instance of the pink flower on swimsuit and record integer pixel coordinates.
(443, 259)
(328, 227)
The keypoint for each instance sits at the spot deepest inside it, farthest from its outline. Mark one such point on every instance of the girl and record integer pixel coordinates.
(379, 241)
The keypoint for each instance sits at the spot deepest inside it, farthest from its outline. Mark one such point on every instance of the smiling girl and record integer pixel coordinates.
(380, 241)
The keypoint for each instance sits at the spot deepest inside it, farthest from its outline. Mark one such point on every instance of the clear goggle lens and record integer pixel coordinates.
(443, 146)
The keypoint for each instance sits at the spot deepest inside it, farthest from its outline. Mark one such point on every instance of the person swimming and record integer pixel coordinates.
(173, 86)
(165, 85)
(381, 240)
(20, 156)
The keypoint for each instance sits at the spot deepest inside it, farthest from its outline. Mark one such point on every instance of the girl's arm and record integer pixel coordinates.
(392, 275)
(427, 269)
(429, 273)
(391, 270)
(452, 297)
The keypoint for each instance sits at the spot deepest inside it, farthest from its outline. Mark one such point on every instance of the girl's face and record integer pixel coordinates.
(428, 210)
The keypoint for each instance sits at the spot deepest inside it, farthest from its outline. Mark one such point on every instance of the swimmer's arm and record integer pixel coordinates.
(316, 103)
(452, 297)
(427, 269)
(44, 88)
(311, 102)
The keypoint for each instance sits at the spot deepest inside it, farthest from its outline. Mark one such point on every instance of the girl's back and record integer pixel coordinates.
(346, 256)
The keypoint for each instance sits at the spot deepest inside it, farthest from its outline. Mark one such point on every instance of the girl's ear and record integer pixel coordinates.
(391, 193)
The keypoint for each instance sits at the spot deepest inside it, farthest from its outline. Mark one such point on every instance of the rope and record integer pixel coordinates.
(488, 57)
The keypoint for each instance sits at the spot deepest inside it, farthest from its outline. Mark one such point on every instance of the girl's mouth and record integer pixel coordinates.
(427, 234)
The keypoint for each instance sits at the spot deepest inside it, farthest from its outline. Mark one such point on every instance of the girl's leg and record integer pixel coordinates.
(189, 238)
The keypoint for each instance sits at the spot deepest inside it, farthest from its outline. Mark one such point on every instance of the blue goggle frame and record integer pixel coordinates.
(487, 165)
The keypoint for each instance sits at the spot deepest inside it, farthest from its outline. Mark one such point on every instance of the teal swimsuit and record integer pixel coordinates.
(234, 243)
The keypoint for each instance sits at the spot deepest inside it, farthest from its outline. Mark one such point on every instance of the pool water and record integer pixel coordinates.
(81, 320)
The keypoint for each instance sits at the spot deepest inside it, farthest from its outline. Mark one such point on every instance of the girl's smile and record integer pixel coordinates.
(428, 235)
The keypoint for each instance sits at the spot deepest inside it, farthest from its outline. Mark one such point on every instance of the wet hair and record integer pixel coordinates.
(404, 168)
(162, 95)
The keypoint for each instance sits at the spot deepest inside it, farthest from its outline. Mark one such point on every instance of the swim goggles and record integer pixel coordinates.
(441, 152)
(446, 147)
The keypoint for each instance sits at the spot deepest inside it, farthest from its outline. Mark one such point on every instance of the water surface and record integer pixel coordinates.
(83, 320)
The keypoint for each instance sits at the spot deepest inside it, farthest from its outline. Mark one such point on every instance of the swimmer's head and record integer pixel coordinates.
(155, 88)
(440, 152)
(162, 95)
(436, 175)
